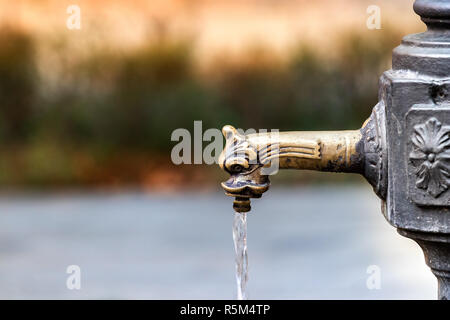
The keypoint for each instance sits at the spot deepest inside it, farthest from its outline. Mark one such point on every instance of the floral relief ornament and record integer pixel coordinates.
(431, 156)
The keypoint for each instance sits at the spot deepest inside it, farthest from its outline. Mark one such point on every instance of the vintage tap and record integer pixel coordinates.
(403, 149)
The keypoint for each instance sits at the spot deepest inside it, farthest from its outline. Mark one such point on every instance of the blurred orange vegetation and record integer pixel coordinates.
(214, 26)
(96, 106)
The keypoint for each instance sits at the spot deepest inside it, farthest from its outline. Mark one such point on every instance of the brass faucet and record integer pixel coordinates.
(248, 158)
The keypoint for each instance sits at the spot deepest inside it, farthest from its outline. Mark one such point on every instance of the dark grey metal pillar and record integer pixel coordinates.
(416, 97)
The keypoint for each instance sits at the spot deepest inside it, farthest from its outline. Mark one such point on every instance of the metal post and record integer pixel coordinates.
(417, 103)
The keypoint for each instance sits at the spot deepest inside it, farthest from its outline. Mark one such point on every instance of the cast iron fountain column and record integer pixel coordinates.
(416, 95)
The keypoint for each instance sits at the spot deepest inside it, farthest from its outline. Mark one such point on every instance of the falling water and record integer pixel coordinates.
(240, 247)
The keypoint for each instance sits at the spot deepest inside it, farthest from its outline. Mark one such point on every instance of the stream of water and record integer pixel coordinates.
(240, 247)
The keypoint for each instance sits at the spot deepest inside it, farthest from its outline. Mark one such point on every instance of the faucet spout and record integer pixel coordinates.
(251, 159)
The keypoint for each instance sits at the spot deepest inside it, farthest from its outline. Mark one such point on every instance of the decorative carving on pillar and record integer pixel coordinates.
(428, 156)
(431, 156)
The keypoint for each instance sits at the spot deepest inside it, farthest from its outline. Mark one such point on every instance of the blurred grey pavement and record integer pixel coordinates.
(304, 243)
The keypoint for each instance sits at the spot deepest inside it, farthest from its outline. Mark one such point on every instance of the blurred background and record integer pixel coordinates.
(85, 171)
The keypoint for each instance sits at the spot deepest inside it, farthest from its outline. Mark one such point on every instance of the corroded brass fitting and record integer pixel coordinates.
(250, 158)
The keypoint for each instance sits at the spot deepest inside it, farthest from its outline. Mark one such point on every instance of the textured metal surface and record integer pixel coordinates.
(374, 149)
(427, 53)
(416, 94)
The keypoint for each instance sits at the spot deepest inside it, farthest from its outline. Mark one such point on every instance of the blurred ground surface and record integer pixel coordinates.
(304, 243)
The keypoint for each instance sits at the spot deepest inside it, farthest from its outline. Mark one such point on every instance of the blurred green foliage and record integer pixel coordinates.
(117, 103)
(17, 85)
